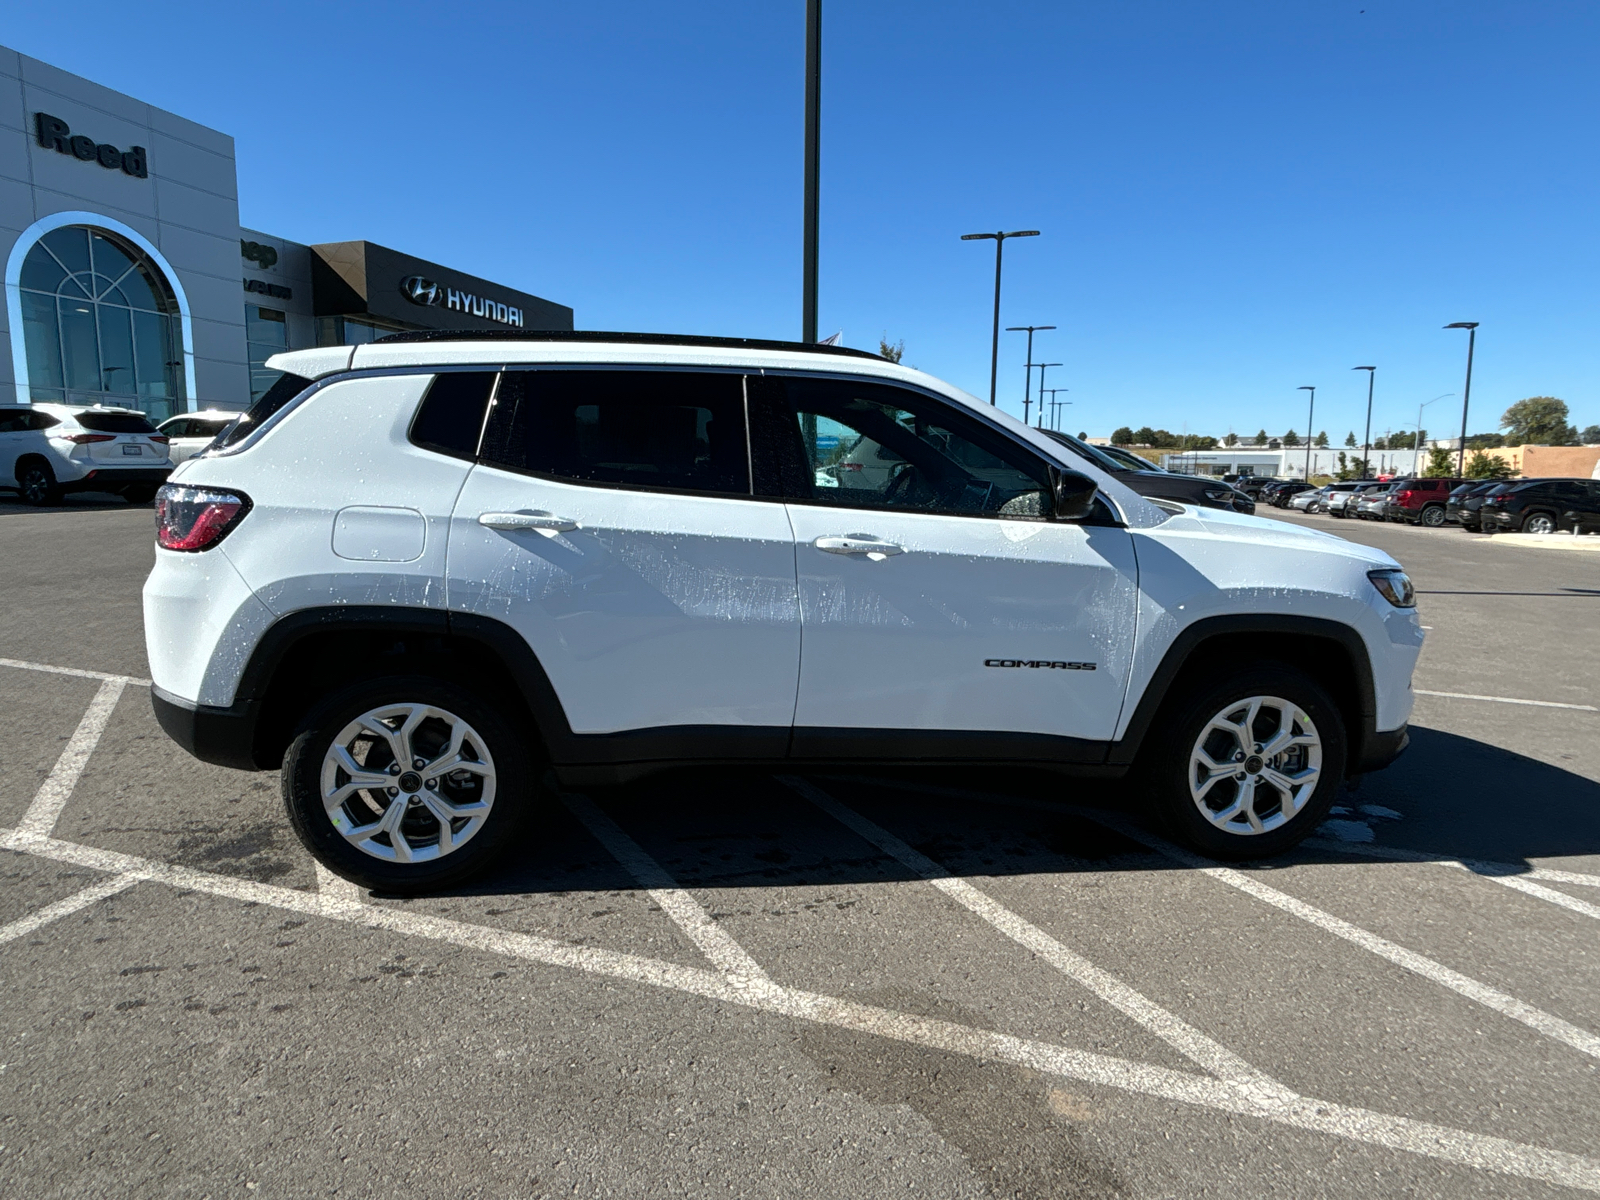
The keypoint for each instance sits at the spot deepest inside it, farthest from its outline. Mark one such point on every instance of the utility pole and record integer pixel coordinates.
(1027, 375)
(999, 240)
(813, 155)
(1466, 396)
(1366, 444)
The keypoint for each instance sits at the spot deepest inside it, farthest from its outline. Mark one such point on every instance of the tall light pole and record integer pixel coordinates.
(1055, 405)
(1027, 374)
(1041, 367)
(1310, 412)
(1416, 466)
(999, 245)
(1466, 397)
(813, 155)
(1366, 442)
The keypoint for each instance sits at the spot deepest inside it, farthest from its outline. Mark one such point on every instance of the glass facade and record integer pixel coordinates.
(266, 332)
(100, 324)
(352, 331)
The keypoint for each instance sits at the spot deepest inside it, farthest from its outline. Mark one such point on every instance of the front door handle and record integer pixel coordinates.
(539, 522)
(858, 543)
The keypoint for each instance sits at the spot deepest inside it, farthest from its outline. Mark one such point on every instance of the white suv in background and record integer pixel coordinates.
(190, 433)
(421, 572)
(47, 450)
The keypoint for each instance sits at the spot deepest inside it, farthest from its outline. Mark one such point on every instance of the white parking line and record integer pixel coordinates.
(1501, 873)
(53, 793)
(1355, 1124)
(65, 908)
(1534, 1018)
(1507, 700)
(335, 889)
(1173, 1030)
(20, 665)
(685, 911)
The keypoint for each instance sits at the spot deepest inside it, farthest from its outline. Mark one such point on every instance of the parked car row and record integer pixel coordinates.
(1493, 505)
(48, 450)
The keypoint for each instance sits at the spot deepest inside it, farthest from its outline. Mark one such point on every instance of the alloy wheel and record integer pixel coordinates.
(408, 783)
(1255, 765)
(1433, 517)
(1540, 523)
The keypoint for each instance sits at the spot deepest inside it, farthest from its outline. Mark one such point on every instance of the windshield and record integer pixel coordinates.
(1100, 458)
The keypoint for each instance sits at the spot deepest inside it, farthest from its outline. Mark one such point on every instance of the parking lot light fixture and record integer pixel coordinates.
(1416, 467)
(1310, 437)
(1466, 396)
(999, 239)
(1366, 444)
(1027, 375)
(1042, 367)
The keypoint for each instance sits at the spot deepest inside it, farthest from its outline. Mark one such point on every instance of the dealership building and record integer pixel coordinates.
(130, 282)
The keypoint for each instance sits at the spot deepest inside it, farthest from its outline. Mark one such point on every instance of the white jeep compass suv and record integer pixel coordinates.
(422, 572)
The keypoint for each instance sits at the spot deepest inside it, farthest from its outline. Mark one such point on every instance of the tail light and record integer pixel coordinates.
(83, 439)
(1403, 496)
(196, 518)
(162, 438)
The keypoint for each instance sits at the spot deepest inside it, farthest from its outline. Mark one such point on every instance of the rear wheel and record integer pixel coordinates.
(1433, 516)
(407, 785)
(38, 485)
(1248, 766)
(1539, 523)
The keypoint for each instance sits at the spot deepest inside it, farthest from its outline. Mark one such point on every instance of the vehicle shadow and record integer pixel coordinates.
(11, 504)
(1447, 795)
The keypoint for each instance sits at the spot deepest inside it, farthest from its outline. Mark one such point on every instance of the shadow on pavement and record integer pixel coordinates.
(714, 829)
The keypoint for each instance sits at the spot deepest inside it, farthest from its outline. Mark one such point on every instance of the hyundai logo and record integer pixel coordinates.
(420, 291)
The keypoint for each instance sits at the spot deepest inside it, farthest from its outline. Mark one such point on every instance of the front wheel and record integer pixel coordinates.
(1247, 766)
(406, 785)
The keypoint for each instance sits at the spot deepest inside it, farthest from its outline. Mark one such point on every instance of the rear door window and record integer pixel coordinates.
(681, 431)
(450, 417)
(102, 422)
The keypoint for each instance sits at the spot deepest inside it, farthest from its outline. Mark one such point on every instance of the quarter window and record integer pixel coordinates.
(868, 445)
(677, 430)
(451, 415)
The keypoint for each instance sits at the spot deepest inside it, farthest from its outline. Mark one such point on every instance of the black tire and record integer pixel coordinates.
(512, 803)
(1162, 776)
(139, 493)
(1432, 516)
(1539, 522)
(37, 483)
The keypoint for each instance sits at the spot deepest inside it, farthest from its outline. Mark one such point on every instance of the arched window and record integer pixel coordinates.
(100, 323)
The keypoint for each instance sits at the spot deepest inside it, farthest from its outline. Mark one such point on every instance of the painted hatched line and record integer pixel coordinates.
(1167, 1026)
(1507, 700)
(1534, 1018)
(76, 902)
(1501, 873)
(20, 665)
(1463, 1147)
(685, 911)
(53, 793)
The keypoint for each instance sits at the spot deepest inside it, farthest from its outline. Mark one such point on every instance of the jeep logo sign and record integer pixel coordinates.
(54, 134)
(426, 292)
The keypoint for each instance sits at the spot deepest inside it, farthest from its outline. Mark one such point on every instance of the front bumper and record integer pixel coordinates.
(1377, 750)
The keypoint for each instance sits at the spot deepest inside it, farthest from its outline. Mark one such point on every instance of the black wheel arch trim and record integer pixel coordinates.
(229, 735)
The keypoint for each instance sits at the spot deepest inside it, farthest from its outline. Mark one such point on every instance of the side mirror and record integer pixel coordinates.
(1072, 495)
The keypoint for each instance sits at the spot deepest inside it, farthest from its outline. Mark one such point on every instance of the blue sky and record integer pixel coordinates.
(1235, 198)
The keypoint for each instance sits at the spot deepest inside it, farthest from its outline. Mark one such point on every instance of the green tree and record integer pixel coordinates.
(1380, 444)
(1322, 440)
(1082, 436)
(893, 351)
(1590, 435)
(1291, 438)
(1233, 438)
(1360, 468)
(1144, 436)
(1485, 441)
(1261, 437)
(1122, 436)
(1344, 467)
(1487, 466)
(1538, 420)
(1440, 463)
(1350, 440)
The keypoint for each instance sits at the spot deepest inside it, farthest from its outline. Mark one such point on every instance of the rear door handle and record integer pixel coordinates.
(539, 522)
(858, 543)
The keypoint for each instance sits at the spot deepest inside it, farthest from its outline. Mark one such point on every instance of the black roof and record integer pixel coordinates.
(633, 339)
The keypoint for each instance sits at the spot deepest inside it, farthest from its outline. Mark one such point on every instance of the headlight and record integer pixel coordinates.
(1395, 586)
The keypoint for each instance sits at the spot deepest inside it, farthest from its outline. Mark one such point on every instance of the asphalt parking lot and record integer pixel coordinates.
(736, 984)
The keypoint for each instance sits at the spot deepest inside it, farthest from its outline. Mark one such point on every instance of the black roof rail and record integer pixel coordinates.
(630, 339)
